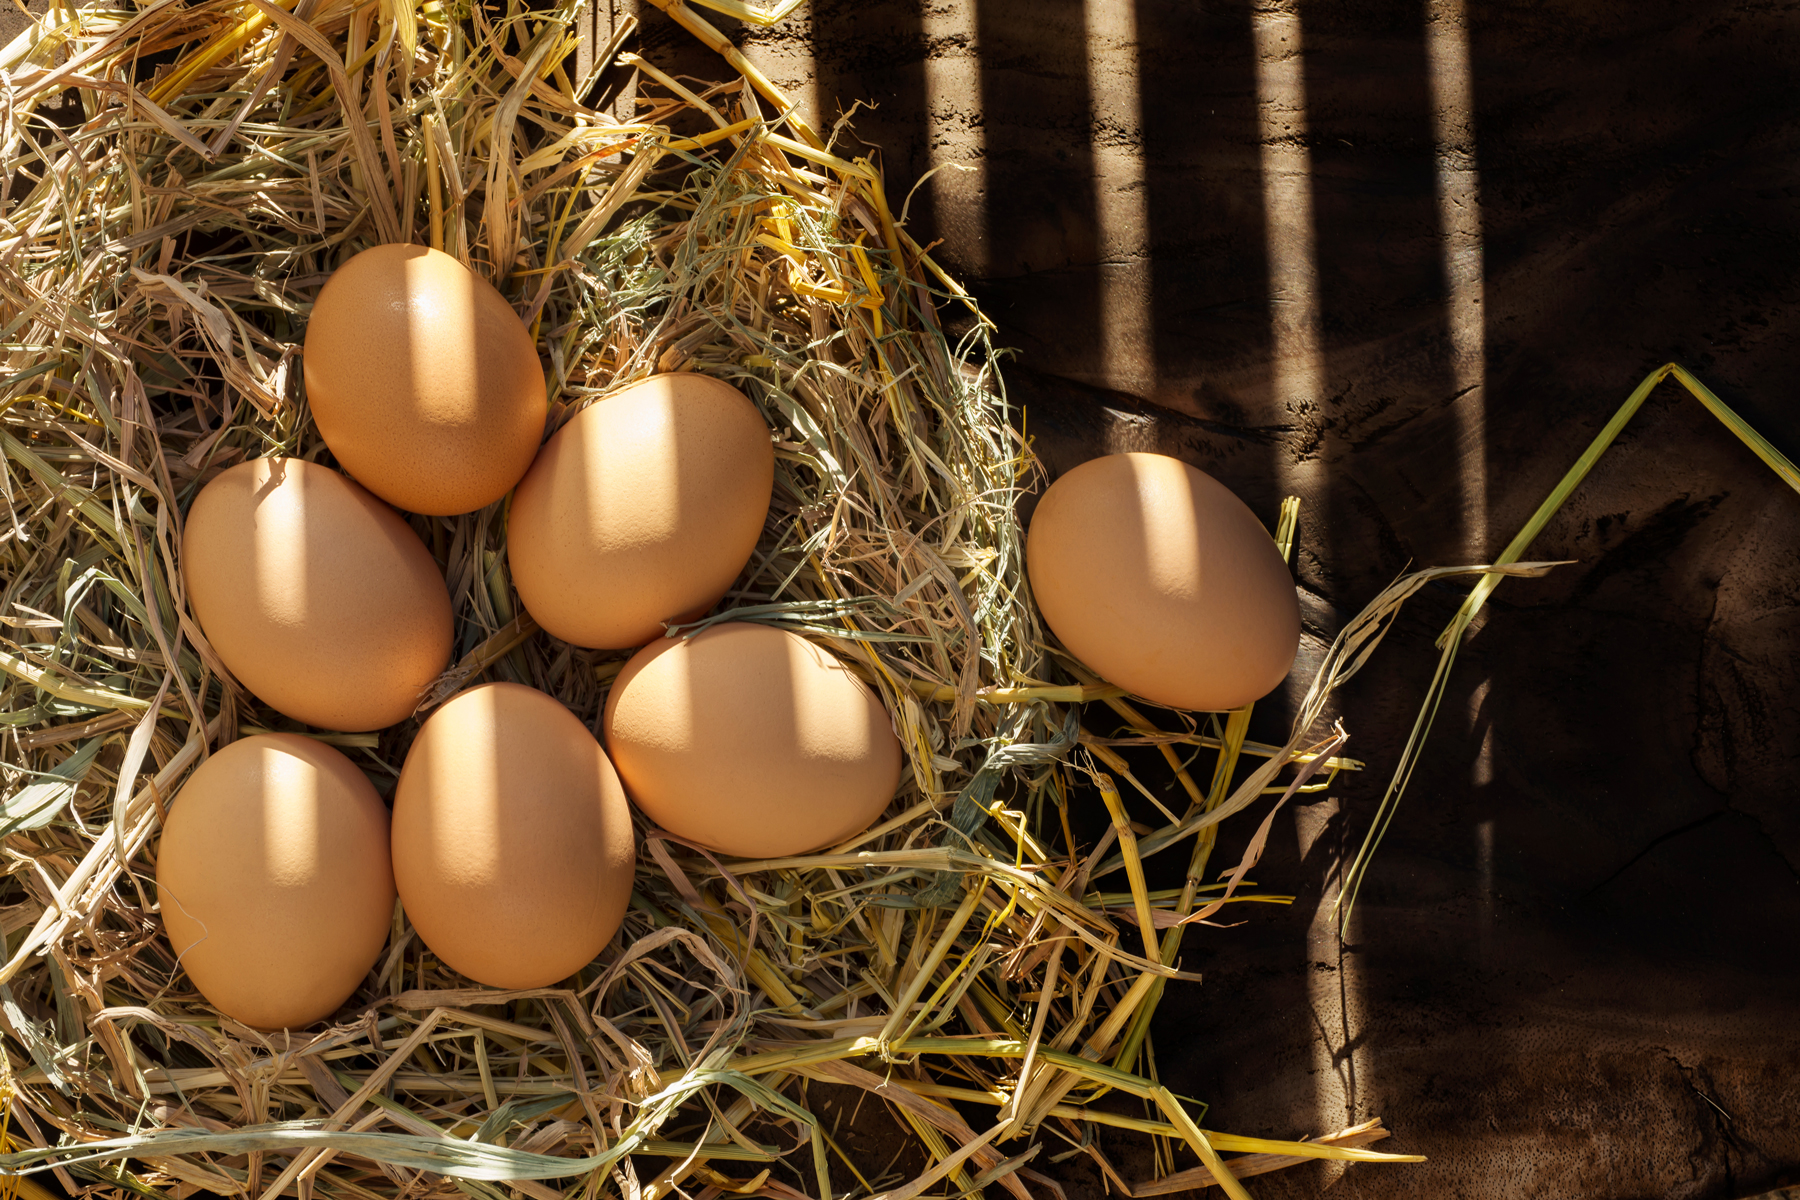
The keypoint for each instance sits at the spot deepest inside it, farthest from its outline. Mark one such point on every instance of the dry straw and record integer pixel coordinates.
(1450, 640)
(182, 179)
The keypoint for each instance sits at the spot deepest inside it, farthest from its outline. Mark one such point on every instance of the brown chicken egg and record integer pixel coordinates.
(1156, 576)
(423, 380)
(274, 879)
(751, 741)
(642, 509)
(317, 596)
(513, 848)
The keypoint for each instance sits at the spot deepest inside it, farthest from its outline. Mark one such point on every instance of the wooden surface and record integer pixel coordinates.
(1570, 972)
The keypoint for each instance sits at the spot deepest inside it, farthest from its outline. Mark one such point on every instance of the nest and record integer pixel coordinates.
(182, 180)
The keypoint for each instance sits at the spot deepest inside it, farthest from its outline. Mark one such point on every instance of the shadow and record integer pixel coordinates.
(1207, 249)
(1487, 827)
(1388, 383)
(1042, 243)
(878, 54)
(1384, 265)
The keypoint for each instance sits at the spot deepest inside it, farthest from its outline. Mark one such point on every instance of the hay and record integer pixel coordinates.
(162, 243)
(1450, 640)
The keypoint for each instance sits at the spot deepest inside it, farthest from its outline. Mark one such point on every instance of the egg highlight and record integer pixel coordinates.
(751, 741)
(316, 595)
(513, 847)
(642, 509)
(1155, 575)
(423, 380)
(273, 871)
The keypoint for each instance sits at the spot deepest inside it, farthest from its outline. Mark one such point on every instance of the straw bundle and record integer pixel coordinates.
(161, 239)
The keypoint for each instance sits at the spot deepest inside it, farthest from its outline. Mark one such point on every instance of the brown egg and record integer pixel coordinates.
(642, 509)
(274, 879)
(751, 741)
(318, 597)
(1157, 577)
(513, 848)
(423, 380)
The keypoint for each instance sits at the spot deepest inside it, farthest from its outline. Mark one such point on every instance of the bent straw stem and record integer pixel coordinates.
(1448, 641)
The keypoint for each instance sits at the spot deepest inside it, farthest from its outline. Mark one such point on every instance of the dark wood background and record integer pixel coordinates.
(1574, 968)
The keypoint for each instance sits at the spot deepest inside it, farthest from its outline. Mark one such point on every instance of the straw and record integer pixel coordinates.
(1450, 640)
(158, 262)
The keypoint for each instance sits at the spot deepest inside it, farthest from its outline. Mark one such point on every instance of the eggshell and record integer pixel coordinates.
(751, 741)
(423, 380)
(317, 596)
(274, 879)
(513, 847)
(1156, 576)
(642, 509)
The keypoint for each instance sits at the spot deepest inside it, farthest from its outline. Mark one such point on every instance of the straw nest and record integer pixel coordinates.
(182, 180)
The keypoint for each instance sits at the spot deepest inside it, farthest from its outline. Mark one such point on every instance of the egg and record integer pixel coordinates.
(642, 509)
(274, 881)
(751, 741)
(513, 848)
(423, 380)
(1156, 576)
(316, 595)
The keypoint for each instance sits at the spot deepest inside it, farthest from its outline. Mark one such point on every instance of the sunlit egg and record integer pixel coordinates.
(318, 597)
(513, 847)
(423, 381)
(641, 510)
(274, 878)
(752, 741)
(1153, 574)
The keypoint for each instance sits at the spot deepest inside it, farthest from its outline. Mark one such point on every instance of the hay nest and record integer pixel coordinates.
(181, 181)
